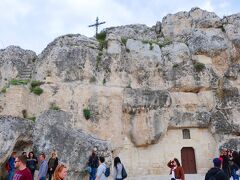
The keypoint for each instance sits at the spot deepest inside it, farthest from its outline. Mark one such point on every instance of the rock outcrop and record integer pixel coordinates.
(134, 87)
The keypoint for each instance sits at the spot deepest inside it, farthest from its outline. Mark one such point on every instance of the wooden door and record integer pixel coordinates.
(188, 160)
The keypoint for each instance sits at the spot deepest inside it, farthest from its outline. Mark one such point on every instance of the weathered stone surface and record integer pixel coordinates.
(53, 131)
(147, 117)
(182, 23)
(68, 58)
(13, 60)
(232, 143)
(142, 86)
(135, 31)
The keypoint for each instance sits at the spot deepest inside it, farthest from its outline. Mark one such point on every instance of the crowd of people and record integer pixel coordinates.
(23, 167)
(99, 170)
(227, 165)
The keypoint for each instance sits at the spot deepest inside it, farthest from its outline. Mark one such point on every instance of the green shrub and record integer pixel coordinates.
(199, 66)
(104, 81)
(18, 82)
(35, 83)
(151, 46)
(223, 29)
(37, 90)
(175, 65)
(124, 41)
(86, 113)
(128, 50)
(101, 37)
(4, 90)
(32, 118)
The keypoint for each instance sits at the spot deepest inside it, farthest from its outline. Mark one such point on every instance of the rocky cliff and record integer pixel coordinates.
(124, 89)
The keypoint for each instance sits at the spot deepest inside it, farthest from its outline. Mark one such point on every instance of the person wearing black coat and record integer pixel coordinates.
(216, 172)
(52, 165)
(32, 163)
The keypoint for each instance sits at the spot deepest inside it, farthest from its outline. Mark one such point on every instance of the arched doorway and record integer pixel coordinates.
(188, 160)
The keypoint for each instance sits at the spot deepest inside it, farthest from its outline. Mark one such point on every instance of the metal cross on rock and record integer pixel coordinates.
(97, 24)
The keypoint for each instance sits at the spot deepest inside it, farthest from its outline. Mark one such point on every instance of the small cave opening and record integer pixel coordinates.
(20, 147)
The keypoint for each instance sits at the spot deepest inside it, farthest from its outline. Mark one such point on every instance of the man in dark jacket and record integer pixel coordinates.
(216, 173)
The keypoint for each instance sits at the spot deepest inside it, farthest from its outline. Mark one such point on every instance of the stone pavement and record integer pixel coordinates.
(167, 177)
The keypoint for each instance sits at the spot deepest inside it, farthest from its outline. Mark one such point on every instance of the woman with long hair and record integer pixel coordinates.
(119, 172)
(176, 169)
(93, 162)
(60, 172)
(32, 163)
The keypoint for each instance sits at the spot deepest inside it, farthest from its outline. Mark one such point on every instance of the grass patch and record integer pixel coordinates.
(150, 43)
(87, 113)
(32, 118)
(54, 107)
(4, 90)
(165, 43)
(199, 66)
(19, 82)
(124, 41)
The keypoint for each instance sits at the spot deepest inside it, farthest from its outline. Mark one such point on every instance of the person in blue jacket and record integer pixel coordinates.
(10, 162)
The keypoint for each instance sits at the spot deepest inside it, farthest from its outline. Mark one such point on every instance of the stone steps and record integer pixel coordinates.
(26, 72)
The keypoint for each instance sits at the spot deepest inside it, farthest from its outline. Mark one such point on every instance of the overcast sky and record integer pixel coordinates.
(32, 24)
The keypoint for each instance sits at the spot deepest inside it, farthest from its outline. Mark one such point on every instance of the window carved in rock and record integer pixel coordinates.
(186, 134)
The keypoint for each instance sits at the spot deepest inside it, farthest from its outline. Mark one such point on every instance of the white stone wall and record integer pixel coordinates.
(153, 159)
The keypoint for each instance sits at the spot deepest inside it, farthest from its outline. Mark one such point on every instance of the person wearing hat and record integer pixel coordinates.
(216, 172)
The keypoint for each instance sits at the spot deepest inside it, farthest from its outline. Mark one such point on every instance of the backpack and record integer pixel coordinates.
(107, 171)
(7, 166)
(124, 173)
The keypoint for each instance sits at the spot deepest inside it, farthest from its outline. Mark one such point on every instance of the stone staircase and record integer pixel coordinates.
(26, 72)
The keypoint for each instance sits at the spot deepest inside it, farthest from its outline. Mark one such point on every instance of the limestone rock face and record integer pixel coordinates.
(146, 114)
(53, 131)
(135, 31)
(15, 134)
(130, 93)
(176, 25)
(66, 59)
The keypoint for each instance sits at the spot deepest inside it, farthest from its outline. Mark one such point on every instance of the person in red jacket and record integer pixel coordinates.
(176, 169)
(23, 173)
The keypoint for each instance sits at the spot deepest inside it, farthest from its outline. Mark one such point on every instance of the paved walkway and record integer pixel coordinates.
(167, 177)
